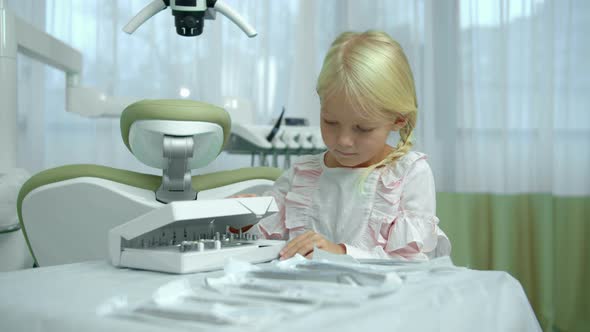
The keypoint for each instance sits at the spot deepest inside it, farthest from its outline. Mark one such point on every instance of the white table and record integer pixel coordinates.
(65, 298)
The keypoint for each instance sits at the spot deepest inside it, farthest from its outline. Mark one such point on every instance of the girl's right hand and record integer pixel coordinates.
(305, 243)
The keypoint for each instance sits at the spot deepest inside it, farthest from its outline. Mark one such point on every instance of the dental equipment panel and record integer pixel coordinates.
(289, 141)
(189, 16)
(194, 236)
(278, 139)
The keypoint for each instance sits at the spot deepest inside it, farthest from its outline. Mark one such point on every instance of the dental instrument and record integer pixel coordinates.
(276, 127)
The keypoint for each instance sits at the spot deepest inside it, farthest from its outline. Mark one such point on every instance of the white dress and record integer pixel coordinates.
(389, 214)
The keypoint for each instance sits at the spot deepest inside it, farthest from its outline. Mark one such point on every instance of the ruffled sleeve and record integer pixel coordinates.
(273, 226)
(292, 193)
(403, 223)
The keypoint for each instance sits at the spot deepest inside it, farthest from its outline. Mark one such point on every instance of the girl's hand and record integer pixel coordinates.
(304, 244)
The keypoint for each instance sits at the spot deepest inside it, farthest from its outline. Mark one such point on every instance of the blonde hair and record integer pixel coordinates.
(372, 71)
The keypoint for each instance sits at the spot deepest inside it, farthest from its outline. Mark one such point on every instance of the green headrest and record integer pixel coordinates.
(174, 110)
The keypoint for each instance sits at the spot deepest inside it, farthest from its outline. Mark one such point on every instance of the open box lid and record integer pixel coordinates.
(188, 210)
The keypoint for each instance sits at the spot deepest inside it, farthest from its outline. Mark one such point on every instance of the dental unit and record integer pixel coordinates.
(176, 222)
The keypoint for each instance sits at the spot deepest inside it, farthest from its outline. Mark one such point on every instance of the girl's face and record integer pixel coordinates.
(352, 140)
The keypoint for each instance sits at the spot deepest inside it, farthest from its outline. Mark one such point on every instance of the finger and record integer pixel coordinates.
(301, 238)
(310, 255)
(303, 248)
(307, 242)
(294, 245)
(296, 241)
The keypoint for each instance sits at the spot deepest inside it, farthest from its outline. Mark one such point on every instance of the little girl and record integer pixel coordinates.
(361, 197)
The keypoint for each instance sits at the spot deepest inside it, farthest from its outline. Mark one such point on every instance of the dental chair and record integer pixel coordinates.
(66, 212)
(14, 254)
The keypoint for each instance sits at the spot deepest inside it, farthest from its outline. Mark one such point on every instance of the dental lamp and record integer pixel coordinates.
(189, 16)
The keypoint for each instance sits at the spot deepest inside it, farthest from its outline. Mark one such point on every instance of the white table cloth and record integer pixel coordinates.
(66, 298)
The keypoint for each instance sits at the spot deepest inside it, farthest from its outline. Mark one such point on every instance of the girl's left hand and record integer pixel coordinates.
(304, 244)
